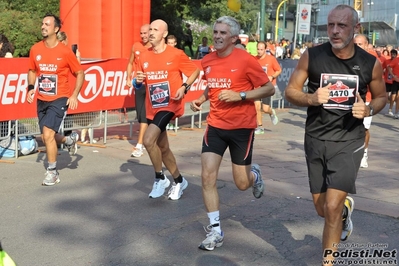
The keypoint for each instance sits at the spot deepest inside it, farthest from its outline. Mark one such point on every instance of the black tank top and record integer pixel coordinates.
(336, 124)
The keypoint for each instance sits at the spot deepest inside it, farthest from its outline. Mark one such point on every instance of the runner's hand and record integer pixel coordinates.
(72, 102)
(229, 96)
(30, 95)
(195, 105)
(179, 94)
(320, 96)
(359, 109)
(129, 82)
(140, 76)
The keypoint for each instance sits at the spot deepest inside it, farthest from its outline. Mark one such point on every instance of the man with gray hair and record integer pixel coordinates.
(231, 74)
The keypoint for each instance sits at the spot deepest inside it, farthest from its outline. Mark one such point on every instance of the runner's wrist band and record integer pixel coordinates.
(135, 85)
(187, 87)
(31, 87)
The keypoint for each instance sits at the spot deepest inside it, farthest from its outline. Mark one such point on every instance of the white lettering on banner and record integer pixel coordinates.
(13, 88)
(109, 84)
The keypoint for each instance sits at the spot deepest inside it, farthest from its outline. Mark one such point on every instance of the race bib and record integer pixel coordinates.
(343, 90)
(159, 94)
(48, 84)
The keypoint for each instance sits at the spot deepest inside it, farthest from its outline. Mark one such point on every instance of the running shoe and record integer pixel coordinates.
(52, 178)
(176, 190)
(259, 130)
(347, 225)
(390, 113)
(274, 117)
(364, 163)
(258, 186)
(158, 188)
(213, 239)
(73, 148)
(137, 152)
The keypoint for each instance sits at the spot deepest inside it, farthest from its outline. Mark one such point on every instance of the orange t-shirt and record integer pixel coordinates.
(270, 65)
(387, 77)
(238, 72)
(52, 66)
(394, 64)
(163, 78)
(138, 49)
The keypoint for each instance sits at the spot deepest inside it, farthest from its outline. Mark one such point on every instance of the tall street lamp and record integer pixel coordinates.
(278, 18)
(369, 12)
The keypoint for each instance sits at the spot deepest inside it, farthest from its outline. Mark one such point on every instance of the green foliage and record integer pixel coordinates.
(20, 22)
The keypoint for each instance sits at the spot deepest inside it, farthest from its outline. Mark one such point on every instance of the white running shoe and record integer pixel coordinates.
(347, 226)
(259, 130)
(52, 178)
(73, 148)
(363, 163)
(137, 152)
(390, 113)
(274, 117)
(176, 190)
(158, 188)
(213, 239)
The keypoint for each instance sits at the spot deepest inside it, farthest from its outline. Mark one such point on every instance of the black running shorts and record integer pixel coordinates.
(161, 119)
(388, 87)
(140, 104)
(239, 141)
(394, 87)
(51, 114)
(333, 164)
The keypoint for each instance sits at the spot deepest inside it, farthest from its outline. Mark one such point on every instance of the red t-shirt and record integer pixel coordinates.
(387, 77)
(239, 72)
(52, 66)
(138, 49)
(163, 79)
(394, 64)
(270, 65)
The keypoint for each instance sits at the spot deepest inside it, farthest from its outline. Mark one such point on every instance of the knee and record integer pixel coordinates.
(243, 185)
(332, 209)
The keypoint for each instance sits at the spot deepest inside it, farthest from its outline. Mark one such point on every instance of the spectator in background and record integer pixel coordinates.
(203, 49)
(6, 48)
(252, 45)
(171, 40)
(239, 44)
(188, 39)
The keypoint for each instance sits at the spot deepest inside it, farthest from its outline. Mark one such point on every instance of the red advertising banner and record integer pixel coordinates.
(104, 88)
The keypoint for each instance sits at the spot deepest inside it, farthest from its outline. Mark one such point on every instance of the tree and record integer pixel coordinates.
(20, 22)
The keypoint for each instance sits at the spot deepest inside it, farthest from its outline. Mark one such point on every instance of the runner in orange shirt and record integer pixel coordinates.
(389, 81)
(51, 62)
(137, 49)
(162, 67)
(272, 68)
(393, 68)
(231, 75)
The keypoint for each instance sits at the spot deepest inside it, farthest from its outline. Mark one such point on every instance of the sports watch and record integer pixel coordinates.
(243, 95)
(371, 110)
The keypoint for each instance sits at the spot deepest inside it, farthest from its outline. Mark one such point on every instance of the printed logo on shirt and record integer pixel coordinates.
(38, 57)
(157, 75)
(208, 70)
(221, 83)
(48, 67)
(145, 65)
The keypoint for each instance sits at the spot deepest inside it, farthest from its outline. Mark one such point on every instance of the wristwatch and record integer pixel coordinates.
(371, 110)
(243, 95)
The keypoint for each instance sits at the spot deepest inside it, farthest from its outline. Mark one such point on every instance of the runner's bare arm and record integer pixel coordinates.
(129, 69)
(73, 100)
(377, 88)
(31, 81)
(196, 104)
(294, 93)
(181, 91)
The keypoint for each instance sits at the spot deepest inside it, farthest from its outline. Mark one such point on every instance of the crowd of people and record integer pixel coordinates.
(240, 84)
